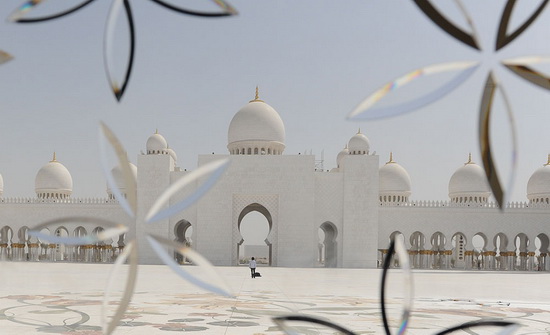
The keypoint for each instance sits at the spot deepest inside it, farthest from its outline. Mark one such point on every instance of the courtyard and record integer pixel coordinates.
(61, 298)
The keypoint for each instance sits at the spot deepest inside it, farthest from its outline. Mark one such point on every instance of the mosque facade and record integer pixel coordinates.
(359, 206)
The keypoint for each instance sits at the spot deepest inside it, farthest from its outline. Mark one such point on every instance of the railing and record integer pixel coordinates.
(438, 204)
(18, 200)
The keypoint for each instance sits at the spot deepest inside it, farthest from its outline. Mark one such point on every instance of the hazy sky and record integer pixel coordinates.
(314, 61)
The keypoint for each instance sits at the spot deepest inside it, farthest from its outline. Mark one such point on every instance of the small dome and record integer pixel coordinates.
(538, 186)
(469, 184)
(53, 180)
(395, 182)
(359, 144)
(156, 144)
(256, 129)
(340, 157)
(1, 185)
(119, 179)
(172, 153)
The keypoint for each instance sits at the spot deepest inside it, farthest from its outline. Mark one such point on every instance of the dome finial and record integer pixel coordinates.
(391, 158)
(53, 159)
(359, 130)
(156, 130)
(548, 162)
(469, 159)
(257, 96)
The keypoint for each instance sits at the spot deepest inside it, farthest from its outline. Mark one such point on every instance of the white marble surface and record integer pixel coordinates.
(58, 298)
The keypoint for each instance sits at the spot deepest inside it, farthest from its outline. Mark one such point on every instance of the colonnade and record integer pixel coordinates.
(473, 260)
(50, 252)
(520, 253)
(33, 249)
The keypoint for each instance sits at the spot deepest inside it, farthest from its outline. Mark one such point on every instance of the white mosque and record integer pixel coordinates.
(358, 206)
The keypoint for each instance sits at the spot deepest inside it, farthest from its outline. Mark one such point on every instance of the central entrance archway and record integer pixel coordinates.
(251, 231)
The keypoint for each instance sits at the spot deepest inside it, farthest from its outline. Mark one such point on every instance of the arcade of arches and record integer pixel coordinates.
(480, 251)
(22, 247)
(499, 252)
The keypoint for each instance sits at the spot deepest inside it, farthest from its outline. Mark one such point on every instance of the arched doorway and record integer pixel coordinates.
(96, 254)
(61, 249)
(328, 247)
(417, 241)
(458, 257)
(396, 262)
(183, 230)
(522, 243)
(45, 255)
(21, 252)
(479, 241)
(500, 241)
(438, 242)
(542, 242)
(79, 251)
(6, 235)
(254, 225)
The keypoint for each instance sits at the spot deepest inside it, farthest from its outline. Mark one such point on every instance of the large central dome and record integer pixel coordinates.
(256, 129)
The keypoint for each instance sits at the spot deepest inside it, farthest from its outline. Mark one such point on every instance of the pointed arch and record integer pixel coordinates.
(417, 241)
(329, 246)
(256, 207)
(458, 256)
(242, 206)
(183, 231)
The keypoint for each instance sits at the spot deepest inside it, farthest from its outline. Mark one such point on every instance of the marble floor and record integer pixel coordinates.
(57, 298)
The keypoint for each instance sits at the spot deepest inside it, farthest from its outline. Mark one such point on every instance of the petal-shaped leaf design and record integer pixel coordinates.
(485, 139)
(227, 9)
(450, 28)
(214, 284)
(130, 251)
(128, 203)
(397, 246)
(114, 14)
(503, 38)
(509, 327)
(212, 170)
(284, 324)
(365, 110)
(520, 66)
(111, 229)
(5, 57)
(18, 14)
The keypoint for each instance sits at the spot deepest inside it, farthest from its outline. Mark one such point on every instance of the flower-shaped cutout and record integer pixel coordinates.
(302, 324)
(520, 66)
(210, 173)
(118, 8)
